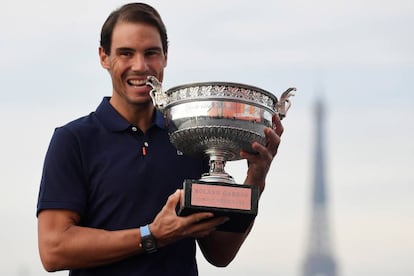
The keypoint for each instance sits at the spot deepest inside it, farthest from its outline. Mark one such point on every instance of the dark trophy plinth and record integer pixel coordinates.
(218, 120)
(237, 202)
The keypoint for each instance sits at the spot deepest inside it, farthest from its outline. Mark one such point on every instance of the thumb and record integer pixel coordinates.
(173, 200)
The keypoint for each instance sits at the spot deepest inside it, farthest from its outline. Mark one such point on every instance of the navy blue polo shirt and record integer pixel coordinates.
(117, 177)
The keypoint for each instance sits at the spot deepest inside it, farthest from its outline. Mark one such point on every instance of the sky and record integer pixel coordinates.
(356, 56)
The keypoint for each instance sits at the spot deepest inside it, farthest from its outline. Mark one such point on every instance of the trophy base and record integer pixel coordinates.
(237, 202)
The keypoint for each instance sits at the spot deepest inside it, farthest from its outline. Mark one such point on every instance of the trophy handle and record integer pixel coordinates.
(159, 98)
(283, 105)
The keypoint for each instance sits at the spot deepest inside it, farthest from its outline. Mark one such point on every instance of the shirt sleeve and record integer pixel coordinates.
(63, 182)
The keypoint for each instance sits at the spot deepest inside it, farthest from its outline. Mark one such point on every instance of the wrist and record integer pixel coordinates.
(260, 183)
(148, 243)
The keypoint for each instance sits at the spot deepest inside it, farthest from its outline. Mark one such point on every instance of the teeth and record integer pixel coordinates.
(137, 82)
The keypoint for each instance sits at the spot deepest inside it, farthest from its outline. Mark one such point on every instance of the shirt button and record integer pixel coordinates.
(134, 129)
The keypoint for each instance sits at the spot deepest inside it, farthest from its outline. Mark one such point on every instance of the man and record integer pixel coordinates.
(112, 179)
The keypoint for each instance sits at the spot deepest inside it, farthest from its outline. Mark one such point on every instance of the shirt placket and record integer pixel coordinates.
(142, 139)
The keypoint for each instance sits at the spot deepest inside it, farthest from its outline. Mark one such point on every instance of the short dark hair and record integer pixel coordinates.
(135, 13)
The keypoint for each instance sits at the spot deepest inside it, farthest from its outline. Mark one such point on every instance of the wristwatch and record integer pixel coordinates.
(148, 243)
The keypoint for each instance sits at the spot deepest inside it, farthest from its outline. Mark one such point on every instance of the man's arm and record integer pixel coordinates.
(63, 244)
(220, 248)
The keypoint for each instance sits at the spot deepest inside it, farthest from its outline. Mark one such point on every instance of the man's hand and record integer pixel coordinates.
(259, 163)
(168, 227)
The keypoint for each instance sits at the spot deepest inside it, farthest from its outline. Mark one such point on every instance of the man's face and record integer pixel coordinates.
(136, 52)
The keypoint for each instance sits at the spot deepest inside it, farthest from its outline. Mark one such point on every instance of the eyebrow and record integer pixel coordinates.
(124, 49)
(155, 48)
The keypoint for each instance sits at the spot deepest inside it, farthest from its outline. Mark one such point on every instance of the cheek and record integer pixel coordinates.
(118, 69)
(161, 67)
(160, 76)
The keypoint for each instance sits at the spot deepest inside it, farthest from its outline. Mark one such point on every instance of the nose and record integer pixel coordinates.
(139, 63)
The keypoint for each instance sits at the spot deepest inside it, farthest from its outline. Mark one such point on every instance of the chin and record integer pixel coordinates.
(141, 100)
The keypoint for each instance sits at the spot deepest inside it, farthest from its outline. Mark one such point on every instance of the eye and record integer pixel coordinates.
(153, 52)
(126, 53)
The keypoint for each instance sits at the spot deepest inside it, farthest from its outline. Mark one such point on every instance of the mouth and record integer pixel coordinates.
(137, 82)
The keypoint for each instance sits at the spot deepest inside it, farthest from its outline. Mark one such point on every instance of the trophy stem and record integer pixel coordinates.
(217, 166)
(217, 172)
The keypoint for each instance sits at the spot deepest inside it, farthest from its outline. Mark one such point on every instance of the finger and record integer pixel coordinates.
(199, 217)
(260, 151)
(277, 125)
(173, 200)
(272, 141)
(209, 225)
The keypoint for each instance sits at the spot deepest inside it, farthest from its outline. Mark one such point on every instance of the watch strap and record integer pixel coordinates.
(145, 231)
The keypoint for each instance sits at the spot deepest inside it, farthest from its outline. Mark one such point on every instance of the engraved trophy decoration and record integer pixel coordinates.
(218, 119)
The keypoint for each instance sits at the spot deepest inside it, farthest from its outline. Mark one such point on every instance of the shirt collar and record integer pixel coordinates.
(113, 121)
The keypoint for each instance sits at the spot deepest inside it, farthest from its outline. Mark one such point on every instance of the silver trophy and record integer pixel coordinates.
(218, 120)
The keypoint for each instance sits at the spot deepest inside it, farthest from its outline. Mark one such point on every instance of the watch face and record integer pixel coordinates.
(149, 243)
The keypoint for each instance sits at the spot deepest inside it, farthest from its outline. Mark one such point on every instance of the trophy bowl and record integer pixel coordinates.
(218, 120)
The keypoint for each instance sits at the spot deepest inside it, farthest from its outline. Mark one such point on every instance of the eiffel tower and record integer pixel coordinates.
(319, 259)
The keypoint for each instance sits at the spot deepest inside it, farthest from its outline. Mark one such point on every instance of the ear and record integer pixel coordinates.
(104, 58)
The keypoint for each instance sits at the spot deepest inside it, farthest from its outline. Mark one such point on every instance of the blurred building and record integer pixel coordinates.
(319, 256)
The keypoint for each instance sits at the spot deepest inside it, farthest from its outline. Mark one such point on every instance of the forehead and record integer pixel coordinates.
(135, 34)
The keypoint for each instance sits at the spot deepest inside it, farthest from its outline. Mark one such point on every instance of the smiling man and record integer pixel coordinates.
(111, 180)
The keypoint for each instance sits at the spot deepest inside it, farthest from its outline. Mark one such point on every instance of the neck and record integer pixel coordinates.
(139, 115)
